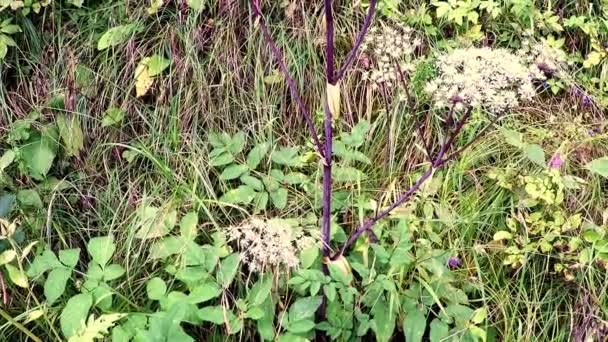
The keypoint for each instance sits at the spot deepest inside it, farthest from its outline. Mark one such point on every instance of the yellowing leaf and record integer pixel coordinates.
(154, 6)
(333, 99)
(143, 81)
(502, 235)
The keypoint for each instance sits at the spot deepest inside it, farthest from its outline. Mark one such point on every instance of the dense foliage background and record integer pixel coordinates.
(158, 183)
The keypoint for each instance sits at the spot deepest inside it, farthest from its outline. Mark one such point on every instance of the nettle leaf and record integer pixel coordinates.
(512, 137)
(233, 171)
(256, 155)
(74, 313)
(229, 266)
(38, 154)
(116, 35)
(54, 286)
(288, 156)
(414, 325)
(599, 166)
(71, 134)
(112, 116)
(101, 249)
(243, 194)
(156, 288)
(535, 153)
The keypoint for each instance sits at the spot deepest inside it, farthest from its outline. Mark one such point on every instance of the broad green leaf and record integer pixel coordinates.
(204, 292)
(213, 314)
(479, 315)
(17, 276)
(155, 5)
(69, 257)
(101, 249)
(253, 182)
(188, 226)
(599, 166)
(74, 313)
(288, 156)
(112, 116)
(116, 35)
(233, 171)
(243, 194)
(265, 325)
(29, 198)
(156, 288)
(301, 326)
(256, 155)
(535, 153)
(229, 266)
(7, 159)
(260, 291)
(221, 159)
(7, 256)
(439, 331)
(414, 325)
(254, 313)
(6, 204)
(166, 247)
(304, 308)
(512, 137)
(347, 174)
(96, 328)
(197, 5)
(54, 286)
(42, 263)
(157, 64)
(384, 321)
(308, 256)
(279, 198)
(294, 178)
(356, 137)
(502, 235)
(113, 271)
(154, 222)
(38, 154)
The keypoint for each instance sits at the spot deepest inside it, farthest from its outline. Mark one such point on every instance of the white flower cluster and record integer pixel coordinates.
(543, 58)
(268, 243)
(390, 48)
(494, 79)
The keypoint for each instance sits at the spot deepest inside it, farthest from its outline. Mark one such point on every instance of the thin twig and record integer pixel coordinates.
(19, 326)
(278, 56)
(358, 41)
(4, 291)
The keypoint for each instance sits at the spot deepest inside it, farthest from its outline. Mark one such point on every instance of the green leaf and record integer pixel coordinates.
(157, 64)
(221, 159)
(38, 154)
(69, 257)
(166, 247)
(288, 156)
(7, 159)
(74, 313)
(6, 204)
(188, 226)
(255, 313)
(512, 137)
(357, 134)
(502, 235)
(439, 331)
(279, 198)
(301, 326)
(112, 116)
(101, 249)
(535, 153)
(242, 194)
(113, 271)
(29, 198)
(228, 269)
(10, 29)
(308, 256)
(347, 174)
(414, 325)
(213, 314)
(294, 178)
(116, 35)
(71, 134)
(236, 143)
(54, 286)
(384, 321)
(233, 171)
(154, 222)
(7, 256)
(256, 155)
(304, 308)
(42, 263)
(599, 166)
(204, 292)
(260, 291)
(197, 5)
(17, 276)
(156, 288)
(253, 182)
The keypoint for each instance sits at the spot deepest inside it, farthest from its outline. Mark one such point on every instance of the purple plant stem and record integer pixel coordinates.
(329, 43)
(359, 40)
(437, 163)
(278, 56)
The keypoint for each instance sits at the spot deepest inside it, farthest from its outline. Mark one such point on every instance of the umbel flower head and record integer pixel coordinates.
(390, 49)
(493, 79)
(268, 243)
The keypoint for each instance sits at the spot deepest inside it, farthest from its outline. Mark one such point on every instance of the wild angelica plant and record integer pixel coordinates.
(437, 157)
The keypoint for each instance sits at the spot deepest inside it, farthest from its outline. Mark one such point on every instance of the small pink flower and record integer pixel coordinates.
(556, 161)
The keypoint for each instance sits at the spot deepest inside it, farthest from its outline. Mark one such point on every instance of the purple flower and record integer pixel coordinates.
(586, 100)
(556, 161)
(593, 132)
(454, 262)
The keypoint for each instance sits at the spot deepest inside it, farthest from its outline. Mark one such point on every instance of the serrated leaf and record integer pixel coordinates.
(288, 156)
(304, 308)
(253, 182)
(279, 198)
(243, 194)
(96, 328)
(233, 171)
(221, 159)
(599, 166)
(228, 268)
(300, 326)
(260, 291)
(512, 137)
